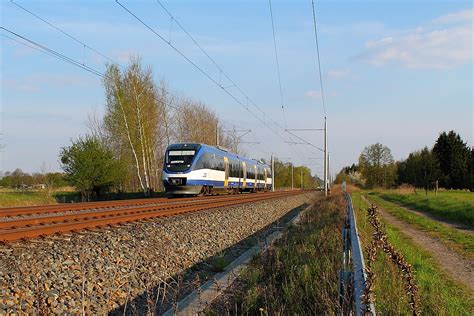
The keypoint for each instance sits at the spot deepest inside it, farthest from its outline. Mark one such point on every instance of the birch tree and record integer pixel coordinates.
(131, 118)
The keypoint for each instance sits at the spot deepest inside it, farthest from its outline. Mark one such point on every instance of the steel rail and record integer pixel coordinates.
(14, 234)
(74, 216)
(57, 208)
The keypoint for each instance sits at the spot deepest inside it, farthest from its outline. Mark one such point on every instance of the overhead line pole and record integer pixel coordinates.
(324, 150)
(325, 157)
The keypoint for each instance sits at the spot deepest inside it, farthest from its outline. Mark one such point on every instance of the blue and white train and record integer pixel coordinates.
(199, 169)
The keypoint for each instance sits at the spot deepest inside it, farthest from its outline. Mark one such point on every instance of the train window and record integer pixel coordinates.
(206, 161)
(234, 168)
(179, 160)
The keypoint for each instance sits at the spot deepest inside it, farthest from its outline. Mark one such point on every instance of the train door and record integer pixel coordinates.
(265, 178)
(255, 170)
(226, 168)
(244, 174)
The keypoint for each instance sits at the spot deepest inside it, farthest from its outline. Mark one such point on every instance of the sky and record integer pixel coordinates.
(394, 72)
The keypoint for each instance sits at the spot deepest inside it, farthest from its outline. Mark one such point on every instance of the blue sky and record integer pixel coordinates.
(395, 72)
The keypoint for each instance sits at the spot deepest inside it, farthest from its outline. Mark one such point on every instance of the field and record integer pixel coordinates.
(456, 206)
(27, 198)
(10, 197)
(439, 295)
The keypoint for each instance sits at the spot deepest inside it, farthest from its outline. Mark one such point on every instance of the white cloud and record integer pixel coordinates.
(337, 74)
(39, 81)
(313, 94)
(461, 16)
(446, 42)
(18, 85)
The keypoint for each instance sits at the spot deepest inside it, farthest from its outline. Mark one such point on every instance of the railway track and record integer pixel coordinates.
(29, 222)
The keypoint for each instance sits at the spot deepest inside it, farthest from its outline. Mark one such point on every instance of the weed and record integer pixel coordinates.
(459, 241)
(219, 262)
(439, 295)
(299, 273)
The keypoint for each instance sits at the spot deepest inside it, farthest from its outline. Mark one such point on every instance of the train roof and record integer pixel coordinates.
(213, 149)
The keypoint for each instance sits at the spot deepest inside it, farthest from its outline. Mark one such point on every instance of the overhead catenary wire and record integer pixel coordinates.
(85, 45)
(200, 69)
(53, 53)
(319, 58)
(64, 32)
(221, 71)
(277, 62)
(56, 54)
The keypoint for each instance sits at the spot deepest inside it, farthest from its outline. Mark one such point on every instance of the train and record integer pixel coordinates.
(200, 169)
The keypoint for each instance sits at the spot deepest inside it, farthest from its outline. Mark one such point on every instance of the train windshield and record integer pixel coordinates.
(179, 159)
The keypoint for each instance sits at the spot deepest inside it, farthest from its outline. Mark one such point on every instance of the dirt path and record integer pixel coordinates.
(456, 266)
(445, 222)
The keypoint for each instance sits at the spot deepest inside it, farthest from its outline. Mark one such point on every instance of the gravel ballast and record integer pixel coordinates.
(103, 270)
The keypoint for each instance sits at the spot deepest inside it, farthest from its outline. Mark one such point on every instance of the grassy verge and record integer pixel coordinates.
(459, 241)
(299, 274)
(439, 294)
(457, 206)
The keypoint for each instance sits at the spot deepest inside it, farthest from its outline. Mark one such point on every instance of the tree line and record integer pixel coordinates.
(449, 164)
(124, 150)
(302, 177)
(18, 179)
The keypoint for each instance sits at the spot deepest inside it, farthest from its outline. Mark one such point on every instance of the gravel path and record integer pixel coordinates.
(451, 224)
(102, 270)
(458, 267)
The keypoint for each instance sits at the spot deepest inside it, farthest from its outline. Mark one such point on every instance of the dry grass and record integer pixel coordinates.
(299, 274)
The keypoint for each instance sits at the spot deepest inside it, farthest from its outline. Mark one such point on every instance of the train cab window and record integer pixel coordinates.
(179, 159)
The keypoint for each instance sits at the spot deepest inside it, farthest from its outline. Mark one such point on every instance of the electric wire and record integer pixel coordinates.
(202, 71)
(221, 71)
(319, 58)
(64, 32)
(277, 63)
(53, 53)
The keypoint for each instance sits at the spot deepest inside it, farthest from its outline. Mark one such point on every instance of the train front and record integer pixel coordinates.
(177, 165)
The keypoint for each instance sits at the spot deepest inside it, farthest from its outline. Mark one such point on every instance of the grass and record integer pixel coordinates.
(26, 198)
(439, 294)
(461, 242)
(12, 198)
(219, 262)
(457, 206)
(299, 274)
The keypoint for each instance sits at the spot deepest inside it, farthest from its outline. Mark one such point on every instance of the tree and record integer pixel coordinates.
(420, 169)
(132, 119)
(471, 171)
(349, 174)
(377, 166)
(453, 156)
(90, 166)
(17, 178)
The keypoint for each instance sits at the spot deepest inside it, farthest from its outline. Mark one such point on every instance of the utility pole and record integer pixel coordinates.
(217, 134)
(272, 162)
(273, 173)
(302, 186)
(292, 177)
(325, 157)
